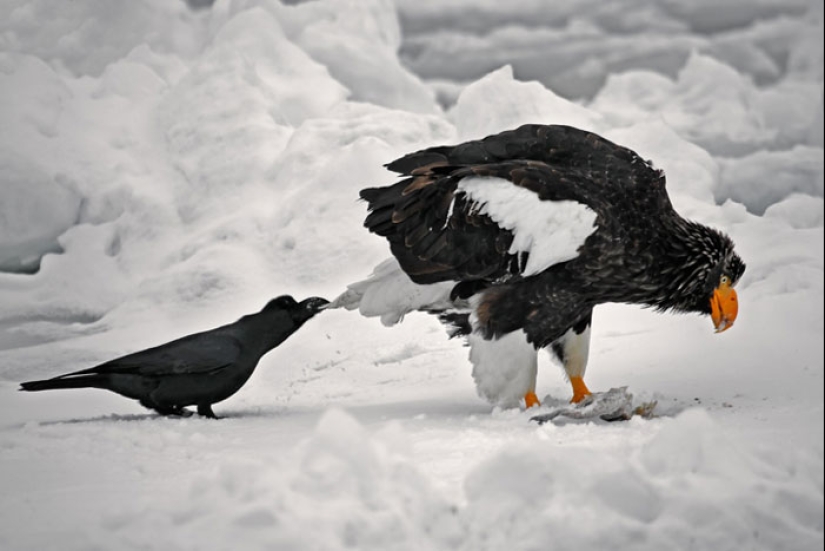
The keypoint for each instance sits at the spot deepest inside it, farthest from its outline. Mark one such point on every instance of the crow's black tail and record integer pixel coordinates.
(80, 381)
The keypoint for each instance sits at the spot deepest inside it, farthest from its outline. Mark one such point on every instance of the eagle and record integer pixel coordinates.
(513, 240)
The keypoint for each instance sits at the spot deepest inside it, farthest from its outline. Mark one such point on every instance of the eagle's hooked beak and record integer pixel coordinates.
(724, 306)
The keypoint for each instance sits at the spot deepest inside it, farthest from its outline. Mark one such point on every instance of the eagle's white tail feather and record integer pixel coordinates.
(390, 294)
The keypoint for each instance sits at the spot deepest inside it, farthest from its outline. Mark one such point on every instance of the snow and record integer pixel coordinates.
(36, 210)
(573, 47)
(166, 171)
(517, 103)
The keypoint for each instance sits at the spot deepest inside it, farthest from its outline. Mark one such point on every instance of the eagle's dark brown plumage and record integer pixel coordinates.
(639, 250)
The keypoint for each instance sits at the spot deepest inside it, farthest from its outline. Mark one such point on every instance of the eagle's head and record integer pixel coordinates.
(704, 275)
(720, 293)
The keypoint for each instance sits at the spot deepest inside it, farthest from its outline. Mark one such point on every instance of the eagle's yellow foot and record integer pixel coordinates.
(530, 399)
(580, 390)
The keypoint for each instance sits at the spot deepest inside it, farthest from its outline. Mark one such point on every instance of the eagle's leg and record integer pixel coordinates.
(572, 350)
(505, 368)
(532, 364)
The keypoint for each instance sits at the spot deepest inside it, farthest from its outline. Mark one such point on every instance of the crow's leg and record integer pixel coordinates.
(171, 411)
(206, 411)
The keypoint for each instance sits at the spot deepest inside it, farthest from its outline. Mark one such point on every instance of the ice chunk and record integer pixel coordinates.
(35, 209)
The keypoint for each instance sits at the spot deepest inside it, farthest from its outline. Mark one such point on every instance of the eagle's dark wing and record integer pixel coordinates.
(461, 222)
(563, 147)
(442, 222)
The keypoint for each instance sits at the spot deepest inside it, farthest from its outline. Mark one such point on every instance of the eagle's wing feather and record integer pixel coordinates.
(488, 222)
(443, 224)
(555, 145)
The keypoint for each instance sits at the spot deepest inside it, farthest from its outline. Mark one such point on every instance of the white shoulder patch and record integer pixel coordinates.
(549, 231)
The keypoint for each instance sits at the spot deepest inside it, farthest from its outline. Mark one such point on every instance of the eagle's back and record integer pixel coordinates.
(439, 230)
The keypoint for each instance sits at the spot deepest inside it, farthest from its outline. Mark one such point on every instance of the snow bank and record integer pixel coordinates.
(687, 484)
(796, 171)
(341, 488)
(715, 106)
(572, 47)
(64, 37)
(182, 172)
(517, 103)
(35, 211)
(690, 485)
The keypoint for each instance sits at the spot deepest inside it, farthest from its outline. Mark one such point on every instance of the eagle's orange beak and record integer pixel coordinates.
(723, 307)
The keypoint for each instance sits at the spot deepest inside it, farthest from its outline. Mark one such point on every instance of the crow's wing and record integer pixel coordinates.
(200, 353)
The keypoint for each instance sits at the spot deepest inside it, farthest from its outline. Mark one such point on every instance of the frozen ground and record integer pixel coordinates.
(165, 171)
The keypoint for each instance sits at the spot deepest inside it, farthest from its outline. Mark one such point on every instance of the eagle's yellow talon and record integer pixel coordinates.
(530, 399)
(580, 390)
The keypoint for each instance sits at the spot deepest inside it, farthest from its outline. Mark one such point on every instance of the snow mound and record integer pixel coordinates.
(791, 172)
(35, 211)
(665, 495)
(344, 487)
(714, 106)
(64, 37)
(573, 47)
(340, 489)
(518, 103)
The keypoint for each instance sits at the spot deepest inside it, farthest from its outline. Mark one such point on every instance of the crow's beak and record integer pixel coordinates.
(724, 306)
(315, 304)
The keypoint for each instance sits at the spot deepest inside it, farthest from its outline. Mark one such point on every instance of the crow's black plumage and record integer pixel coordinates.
(197, 370)
(454, 218)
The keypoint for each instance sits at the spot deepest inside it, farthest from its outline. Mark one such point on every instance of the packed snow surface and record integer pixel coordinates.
(165, 170)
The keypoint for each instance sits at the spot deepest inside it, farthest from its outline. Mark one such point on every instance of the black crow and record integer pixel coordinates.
(196, 370)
